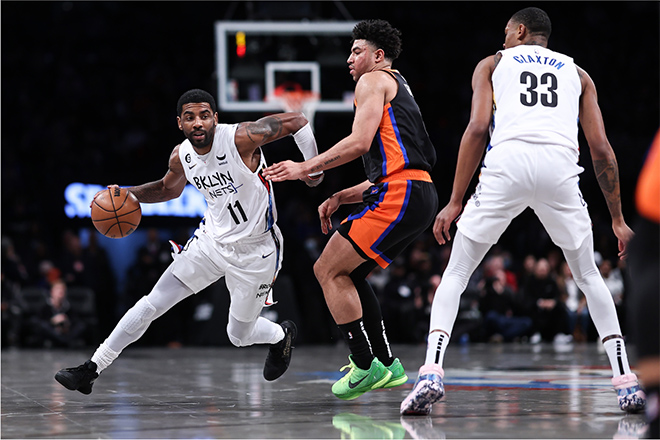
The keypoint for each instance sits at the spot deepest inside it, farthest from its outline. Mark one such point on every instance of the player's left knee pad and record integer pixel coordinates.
(137, 316)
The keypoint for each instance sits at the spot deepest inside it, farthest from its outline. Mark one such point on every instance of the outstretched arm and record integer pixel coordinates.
(603, 159)
(471, 149)
(370, 93)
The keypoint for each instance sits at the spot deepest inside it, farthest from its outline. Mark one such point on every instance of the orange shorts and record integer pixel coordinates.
(392, 214)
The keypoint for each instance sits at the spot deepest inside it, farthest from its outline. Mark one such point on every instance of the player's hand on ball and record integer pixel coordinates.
(110, 187)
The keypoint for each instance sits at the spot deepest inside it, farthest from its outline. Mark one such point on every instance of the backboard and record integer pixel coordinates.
(256, 60)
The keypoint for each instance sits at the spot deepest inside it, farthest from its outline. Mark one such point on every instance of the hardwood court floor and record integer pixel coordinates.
(493, 391)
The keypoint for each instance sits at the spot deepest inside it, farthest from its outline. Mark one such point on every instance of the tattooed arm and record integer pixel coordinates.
(252, 135)
(603, 158)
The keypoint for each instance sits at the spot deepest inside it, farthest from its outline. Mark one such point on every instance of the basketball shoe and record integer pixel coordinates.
(279, 354)
(398, 375)
(80, 378)
(427, 390)
(358, 381)
(631, 396)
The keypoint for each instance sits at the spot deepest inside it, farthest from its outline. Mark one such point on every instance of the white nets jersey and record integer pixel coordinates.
(241, 203)
(536, 93)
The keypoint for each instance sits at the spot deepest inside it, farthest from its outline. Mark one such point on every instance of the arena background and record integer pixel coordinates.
(89, 91)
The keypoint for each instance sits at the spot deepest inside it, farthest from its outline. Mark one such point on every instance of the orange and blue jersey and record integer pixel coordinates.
(402, 202)
(401, 142)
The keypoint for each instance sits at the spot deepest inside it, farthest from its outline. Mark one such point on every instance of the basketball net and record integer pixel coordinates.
(303, 101)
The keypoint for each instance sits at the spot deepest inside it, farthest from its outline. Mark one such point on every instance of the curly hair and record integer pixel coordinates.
(381, 34)
(535, 19)
(195, 95)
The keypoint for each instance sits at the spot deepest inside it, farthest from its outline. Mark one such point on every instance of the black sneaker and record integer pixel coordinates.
(279, 354)
(80, 378)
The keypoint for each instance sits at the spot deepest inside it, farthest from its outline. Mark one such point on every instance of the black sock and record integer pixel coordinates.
(372, 316)
(358, 343)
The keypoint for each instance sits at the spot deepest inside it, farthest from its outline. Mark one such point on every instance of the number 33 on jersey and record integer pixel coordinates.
(540, 90)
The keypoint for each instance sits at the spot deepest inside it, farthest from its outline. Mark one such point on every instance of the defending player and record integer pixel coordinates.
(396, 204)
(237, 239)
(532, 161)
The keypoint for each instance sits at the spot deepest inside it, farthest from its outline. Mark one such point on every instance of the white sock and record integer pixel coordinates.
(436, 347)
(104, 356)
(616, 352)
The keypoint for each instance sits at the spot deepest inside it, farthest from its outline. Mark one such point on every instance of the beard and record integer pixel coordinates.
(198, 141)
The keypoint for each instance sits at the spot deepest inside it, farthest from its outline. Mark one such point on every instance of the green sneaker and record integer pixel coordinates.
(357, 381)
(398, 375)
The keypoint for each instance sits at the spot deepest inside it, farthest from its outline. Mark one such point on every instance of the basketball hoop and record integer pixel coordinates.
(298, 100)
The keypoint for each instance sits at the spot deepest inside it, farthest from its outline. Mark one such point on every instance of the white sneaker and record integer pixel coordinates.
(631, 397)
(427, 390)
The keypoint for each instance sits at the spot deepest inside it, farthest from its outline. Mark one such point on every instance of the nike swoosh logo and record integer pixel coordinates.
(354, 384)
(267, 255)
(192, 166)
(223, 157)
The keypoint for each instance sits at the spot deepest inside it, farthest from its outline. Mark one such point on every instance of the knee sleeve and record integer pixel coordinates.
(135, 318)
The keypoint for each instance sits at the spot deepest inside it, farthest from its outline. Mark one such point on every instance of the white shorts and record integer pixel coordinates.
(249, 267)
(517, 175)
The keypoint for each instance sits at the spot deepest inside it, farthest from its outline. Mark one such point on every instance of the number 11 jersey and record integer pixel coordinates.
(240, 202)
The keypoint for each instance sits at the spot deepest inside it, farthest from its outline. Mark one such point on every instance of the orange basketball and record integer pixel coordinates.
(116, 213)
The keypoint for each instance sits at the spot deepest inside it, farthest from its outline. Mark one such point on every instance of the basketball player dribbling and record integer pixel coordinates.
(237, 239)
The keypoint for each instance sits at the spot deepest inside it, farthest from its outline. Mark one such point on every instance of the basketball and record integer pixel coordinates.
(116, 213)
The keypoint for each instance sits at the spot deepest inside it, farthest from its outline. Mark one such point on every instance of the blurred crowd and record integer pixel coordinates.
(70, 298)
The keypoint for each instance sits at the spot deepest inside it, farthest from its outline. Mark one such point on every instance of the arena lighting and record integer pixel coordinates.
(240, 44)
(78, 197)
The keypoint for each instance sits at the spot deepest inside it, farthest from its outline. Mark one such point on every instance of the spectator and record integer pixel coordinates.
(501, 312)
(56, 324)
(544, 305)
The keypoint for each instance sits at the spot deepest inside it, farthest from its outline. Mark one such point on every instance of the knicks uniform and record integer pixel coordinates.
(238, 237)
(532, 159)
(402, 202)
